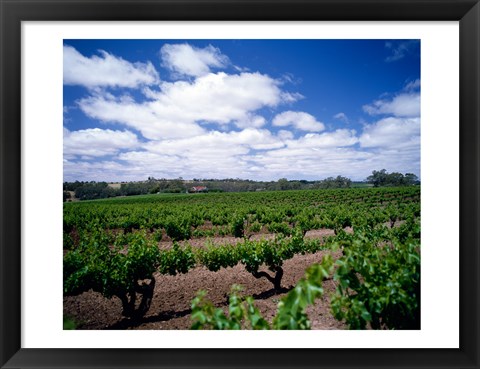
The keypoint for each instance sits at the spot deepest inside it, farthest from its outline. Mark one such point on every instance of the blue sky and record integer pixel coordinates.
(251, 109)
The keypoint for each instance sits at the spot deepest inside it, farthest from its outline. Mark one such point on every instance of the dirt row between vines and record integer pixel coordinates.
(171, 305)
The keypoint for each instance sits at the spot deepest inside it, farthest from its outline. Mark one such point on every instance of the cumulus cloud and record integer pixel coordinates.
(96, 142)
(313, 146)
(105, 70)
(310, 156)
(338, 138)
(188, 60)
(394, 139)
(179, 108)
(212, 124)
(300, 120)
(214, 154)
(342, 117)
(392, 132)
(251, 120)
(260, 154)
(283, 134)
(215, 144)
(250, 153)
(141, 116)
(312, 162)
(402, 105)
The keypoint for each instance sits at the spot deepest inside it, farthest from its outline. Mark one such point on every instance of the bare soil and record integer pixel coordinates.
(171, 305)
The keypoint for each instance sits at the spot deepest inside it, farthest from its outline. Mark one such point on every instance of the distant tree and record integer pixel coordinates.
(378, 178)
(295, 185)
(382, 178)
(72, 186)
(176, 186)
(282, 184)
(331, 182)
(95, 190)
(411, 179)
(155, 189)
(395, 179)
(342, 182)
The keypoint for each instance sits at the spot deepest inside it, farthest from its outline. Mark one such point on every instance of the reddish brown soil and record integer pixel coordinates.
(171, 305)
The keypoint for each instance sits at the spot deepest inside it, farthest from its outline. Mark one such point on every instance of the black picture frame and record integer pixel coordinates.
(13, 12)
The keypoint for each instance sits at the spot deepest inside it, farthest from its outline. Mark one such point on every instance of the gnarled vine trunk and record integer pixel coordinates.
(129, 299)
(276, 280)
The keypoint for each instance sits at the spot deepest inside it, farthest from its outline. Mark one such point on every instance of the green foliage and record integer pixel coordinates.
(99, 256)
(217, 257)
(237, 214)
(291, 309)
(305, 221)
(281, 228)
(379, 281)
(255, 226)
(341, 220)
(68, 243)
(253, 254)
(158, 235)
(242, 313)
(176, 260)
(69, 323)
(112, 271)
(178, 228)
(238, 225)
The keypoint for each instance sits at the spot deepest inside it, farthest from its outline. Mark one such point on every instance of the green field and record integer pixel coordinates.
(111, 245)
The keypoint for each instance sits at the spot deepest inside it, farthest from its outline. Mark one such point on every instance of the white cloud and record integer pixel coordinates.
(142, 117)
(188, 125)
(254, 121)
(395, 139)
(291, 97)
(179, 107)
(291, 78)
(105, 70)
(299, 120)
(412, 85)
(96, 142)
(158, 165)
(214, 154)
(402, 105)
(342, 117)
(392, 132)
(258, 154)
(221, 97)
(313, 163)
(314, 156)
(185, 59)
(311, 144)
(283, 134)
(217, 144)
(338, 138)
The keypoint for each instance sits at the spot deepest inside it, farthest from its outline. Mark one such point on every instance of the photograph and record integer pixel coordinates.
(241, 184)
(245, 184)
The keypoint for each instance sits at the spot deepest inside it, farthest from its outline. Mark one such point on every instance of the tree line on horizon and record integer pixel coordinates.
(84, 190)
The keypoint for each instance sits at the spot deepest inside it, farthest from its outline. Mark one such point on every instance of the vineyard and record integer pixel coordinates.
(313, 259)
